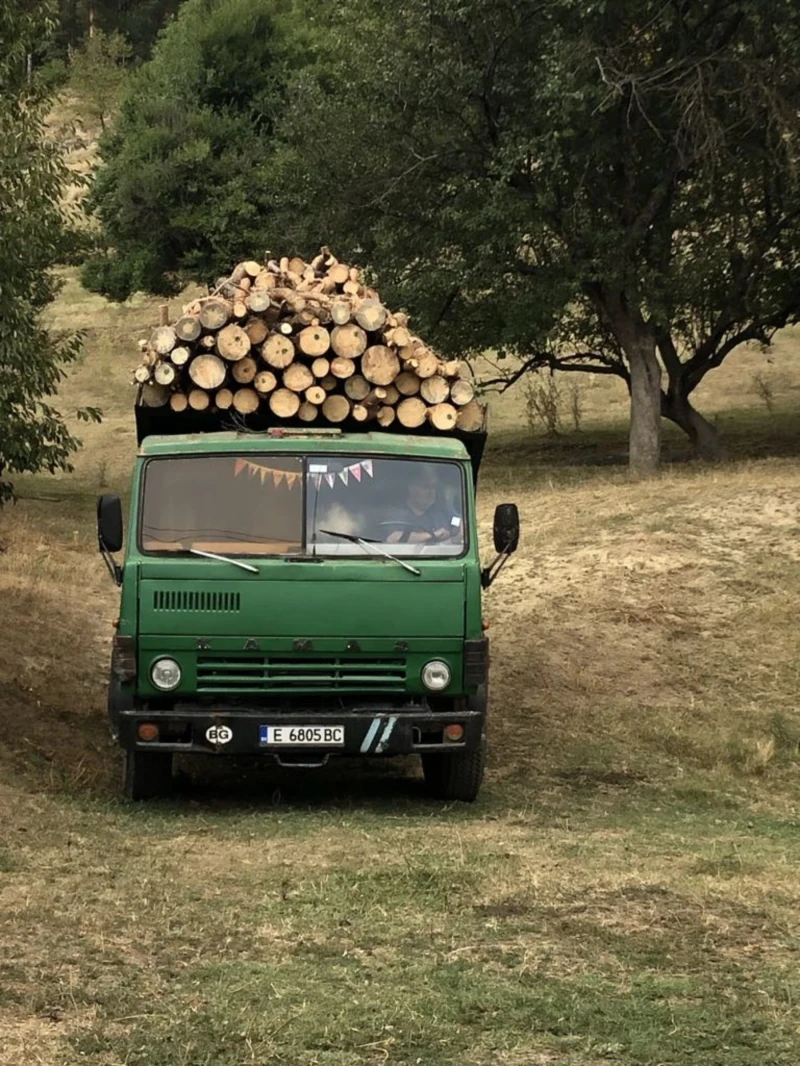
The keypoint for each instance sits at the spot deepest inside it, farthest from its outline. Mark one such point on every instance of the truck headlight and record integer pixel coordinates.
(165, 674)
(436, 675)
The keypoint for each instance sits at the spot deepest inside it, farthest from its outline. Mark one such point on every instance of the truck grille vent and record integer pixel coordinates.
(190, 600)
(239, 673)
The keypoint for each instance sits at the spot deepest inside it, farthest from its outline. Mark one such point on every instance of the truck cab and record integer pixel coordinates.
(301, 594)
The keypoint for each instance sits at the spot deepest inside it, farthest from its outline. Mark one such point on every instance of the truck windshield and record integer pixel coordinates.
(254, 505)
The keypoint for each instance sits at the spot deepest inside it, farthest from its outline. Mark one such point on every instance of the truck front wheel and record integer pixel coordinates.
(147, 774)
(456, 776)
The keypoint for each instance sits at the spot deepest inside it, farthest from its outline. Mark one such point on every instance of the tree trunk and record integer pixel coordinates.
(704, 436)
(645, 432)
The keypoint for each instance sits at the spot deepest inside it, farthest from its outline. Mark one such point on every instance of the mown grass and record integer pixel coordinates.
(625, 889)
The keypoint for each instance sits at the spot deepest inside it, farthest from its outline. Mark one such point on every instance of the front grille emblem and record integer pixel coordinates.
(251, 645)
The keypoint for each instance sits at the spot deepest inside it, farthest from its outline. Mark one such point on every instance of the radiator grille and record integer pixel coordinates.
(259, 673)
(193, 600)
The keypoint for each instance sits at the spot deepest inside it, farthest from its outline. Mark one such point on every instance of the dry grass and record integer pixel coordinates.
(624, 891)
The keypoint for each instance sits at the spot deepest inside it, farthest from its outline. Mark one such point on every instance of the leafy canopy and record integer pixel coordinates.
(33, 435)
(186, 187)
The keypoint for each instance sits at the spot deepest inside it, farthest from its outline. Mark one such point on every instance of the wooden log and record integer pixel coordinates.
(163, 314)
(339, 273)
(264, 382)
(207, 371)
(314, 341)
(349, 341)
(361, 413)
(471, 417)
(298, 377)
(251, 267)
(239, 309)
(297, 265)
(450, 368)
(208, 342)
(376, 397)
(245, 401)
(327, 286)
(154, 395)
(352, 288)
(223, 399)
(435, 389)
(277, 351)
(357, 387)
(284, 403)
(407, 383)
(400, 337)
(283, 264)
(462, 392)
(163, 340)
(214, 313)
(165, 373)
(178, 401)
(443, 416)
(392, 394)
(233, 343)
(257, 330)
(188, 328)
(427, 362)
(329, 382)
(316, 395)
(286, 328)
(320, 368)
(341, 312)
(411, 412)
(258, 301)
(336, 408)
(385, 416)
(142, 373)
(401, 318)
(199, 400)
(265, 280)
(370, 315)
(380, 365)
(244, 370)
(307, 411)
(181, 355)
(342, 367)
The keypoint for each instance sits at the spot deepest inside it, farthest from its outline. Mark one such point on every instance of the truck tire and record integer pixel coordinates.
(147, 774)
(457, 776)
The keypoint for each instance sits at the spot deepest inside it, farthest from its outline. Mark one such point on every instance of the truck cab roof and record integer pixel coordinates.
(306, 440)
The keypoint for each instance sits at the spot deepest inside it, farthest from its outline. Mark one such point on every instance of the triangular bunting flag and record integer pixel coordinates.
(277, 477)
(241, 464)
(317, 479)
(356, 471)
(343, 476)
(290, 479)
(367, 466)
(330, 478)
(262, 472)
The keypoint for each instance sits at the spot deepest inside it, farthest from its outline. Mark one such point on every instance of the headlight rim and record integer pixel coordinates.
(436, 663)
(155, 664)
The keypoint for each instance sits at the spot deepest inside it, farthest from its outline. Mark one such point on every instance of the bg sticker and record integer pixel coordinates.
(219, 734)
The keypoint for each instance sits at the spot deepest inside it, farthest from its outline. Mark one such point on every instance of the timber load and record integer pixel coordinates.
(302, 342)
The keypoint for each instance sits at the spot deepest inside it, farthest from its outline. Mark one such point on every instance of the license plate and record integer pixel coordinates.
(296, 736)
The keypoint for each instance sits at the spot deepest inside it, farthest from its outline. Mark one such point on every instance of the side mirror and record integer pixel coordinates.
(506, 528)
(109, 523)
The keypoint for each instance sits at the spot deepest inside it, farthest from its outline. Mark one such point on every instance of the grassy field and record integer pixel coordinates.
(624, 891)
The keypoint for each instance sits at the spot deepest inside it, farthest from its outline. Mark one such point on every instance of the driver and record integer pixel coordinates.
(424, 519)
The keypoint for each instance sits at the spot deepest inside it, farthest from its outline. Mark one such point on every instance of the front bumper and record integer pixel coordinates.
(371, 729)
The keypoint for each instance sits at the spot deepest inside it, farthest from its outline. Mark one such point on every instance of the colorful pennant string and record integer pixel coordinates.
(290, 478)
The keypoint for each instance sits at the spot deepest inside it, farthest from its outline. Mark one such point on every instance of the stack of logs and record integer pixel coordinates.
(308, 340)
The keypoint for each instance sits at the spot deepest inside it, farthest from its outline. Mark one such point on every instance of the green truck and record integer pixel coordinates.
(301, 594)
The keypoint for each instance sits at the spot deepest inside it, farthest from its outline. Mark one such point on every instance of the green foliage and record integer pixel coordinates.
(563, 182)
(33, 435)
(186, 187)
(99, 73)
(139, 22)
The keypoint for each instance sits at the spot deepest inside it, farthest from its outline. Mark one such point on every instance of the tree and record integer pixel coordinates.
(186, 186)
(585, 185)
(100, 70)
(33, 435)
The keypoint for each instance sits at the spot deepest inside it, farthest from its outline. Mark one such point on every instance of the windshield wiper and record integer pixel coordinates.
(371, 544)
(226, 559)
